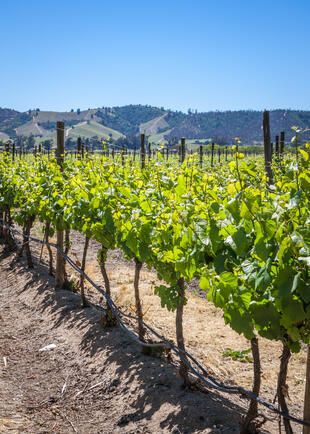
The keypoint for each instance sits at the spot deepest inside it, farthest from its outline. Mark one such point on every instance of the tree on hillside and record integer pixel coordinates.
(70, 143)
(47, 144)
(31, 141)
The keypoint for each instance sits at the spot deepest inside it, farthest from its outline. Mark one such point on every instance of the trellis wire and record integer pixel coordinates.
(206, 378)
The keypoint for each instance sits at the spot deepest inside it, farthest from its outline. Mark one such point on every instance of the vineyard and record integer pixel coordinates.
(237, 225)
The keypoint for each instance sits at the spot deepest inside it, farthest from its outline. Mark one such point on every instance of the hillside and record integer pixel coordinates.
(90, 129)
(4, 136)
(157, 123)
(10, 120)
(127, 119)
(31, 127)
(153, 126)
(223, 126)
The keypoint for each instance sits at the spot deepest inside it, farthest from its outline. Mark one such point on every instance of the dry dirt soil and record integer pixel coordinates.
(96, 380)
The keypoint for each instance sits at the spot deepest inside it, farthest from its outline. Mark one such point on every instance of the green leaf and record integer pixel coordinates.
(286, 281)
(262, 250)
(95, 203)
(204, 283)
(238, 241)
(263, 279)
(293, 309)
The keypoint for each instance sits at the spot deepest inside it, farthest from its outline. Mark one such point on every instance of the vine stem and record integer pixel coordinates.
(110, 319)
(84, 300)
(26, 234)
(306, 429)
(252, 411)
(141, 329)
(50, 253)
(183, 370)
(282, 386)
(67, 241)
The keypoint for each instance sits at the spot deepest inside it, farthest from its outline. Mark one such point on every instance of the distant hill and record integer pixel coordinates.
(223, 126)
(90, 129)
(157, 123)
(10, 120)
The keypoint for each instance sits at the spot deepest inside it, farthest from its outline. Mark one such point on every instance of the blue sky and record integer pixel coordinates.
(204, 55)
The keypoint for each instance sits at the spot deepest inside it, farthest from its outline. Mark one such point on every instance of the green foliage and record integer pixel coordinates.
(240, 356)
(247, 242)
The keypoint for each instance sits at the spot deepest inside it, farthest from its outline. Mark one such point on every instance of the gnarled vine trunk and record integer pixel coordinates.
(252, 411)
(141, 329)
(306, 429)
(84, 300)
(50, 253)
(282, 386)
(67, 241)
(183, 370)
(6, 233)
(110, 319)
(26, 240)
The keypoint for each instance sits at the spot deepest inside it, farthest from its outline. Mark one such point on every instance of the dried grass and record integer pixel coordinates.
(206, 335)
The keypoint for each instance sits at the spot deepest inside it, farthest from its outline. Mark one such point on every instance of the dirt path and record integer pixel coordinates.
(153, 128)
(95, 380)
(67, 132)
(40, 130)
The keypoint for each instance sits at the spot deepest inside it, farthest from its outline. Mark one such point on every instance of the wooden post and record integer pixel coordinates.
(267, 145)
(149, 152)
(13, 151)
(40, 148)
(134, 153)
(200, 156)
(219, 154)
(123, 154)
(226, 153)
(306, 430)
(60, 261)
(282, 140)
(182, 149)
(142, 151)
(82, 151)
(277, 149)
(277, 144)
(7, 148)
(212, 154)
